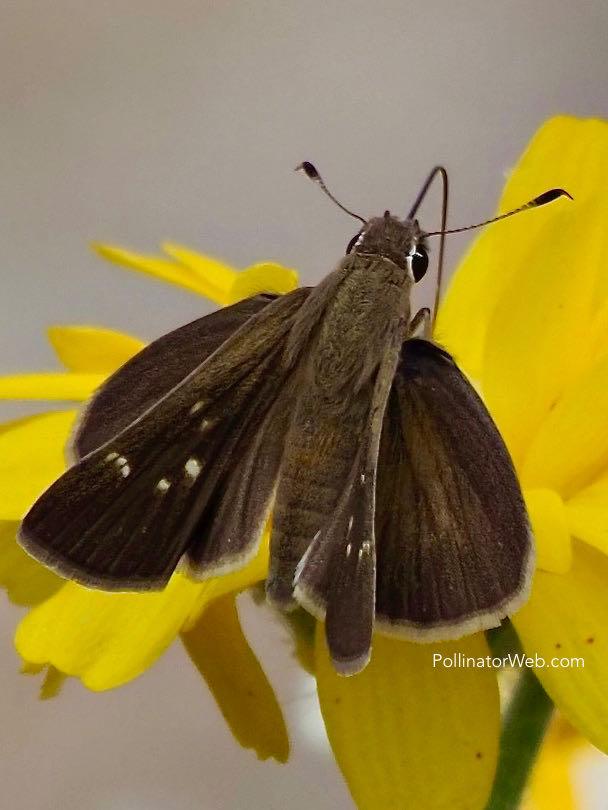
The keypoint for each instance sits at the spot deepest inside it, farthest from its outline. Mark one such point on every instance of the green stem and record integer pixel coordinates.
(523, 730)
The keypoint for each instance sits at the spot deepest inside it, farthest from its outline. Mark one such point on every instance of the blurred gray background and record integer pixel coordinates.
(136, 121)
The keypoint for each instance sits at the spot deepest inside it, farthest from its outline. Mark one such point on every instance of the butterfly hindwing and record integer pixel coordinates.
(454, 552)
(125, 514)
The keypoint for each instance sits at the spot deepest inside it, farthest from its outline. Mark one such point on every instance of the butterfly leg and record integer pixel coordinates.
(420, 325)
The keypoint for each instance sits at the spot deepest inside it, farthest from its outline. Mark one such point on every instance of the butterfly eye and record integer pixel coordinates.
(352, 242)
(419, 262)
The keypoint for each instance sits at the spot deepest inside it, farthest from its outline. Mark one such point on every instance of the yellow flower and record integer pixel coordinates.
(108, 639)
(527, 318)
(551, 786)
(541, 356)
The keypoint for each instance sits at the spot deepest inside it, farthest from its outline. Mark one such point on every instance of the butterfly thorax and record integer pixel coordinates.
(389, 237)
(368, 303)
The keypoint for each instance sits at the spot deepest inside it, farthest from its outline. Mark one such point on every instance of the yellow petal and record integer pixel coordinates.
(31, 458)
(28, 668)
(166, 270)
(263, 277)
(567, 617)
(52, 385)
(587, 514)
(302, 628)
(227, 286)
(571, 448)
(551, 786)
(25, 581)
(221, 654)
(255, 571)
(107, 639)
(550, 530)
(216, 275)
(537, 336)
(598, 334)
(52, 683)
(406, 734)
(565, 152)
(204, 275)
(90, 349)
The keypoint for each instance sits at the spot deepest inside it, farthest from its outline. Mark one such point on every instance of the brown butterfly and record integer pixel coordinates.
(393, 497)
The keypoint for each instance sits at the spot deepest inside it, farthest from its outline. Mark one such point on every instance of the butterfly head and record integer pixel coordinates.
(399, 240)
(402, 241)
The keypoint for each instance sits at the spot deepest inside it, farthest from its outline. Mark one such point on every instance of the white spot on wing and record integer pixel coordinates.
(163, 485)
(196, 407)
(366, 547)
(120, 462)
(192, 468)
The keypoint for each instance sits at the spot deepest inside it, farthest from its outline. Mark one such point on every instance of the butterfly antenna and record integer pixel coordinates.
(311, 172)
(437, 171)
(542, 199)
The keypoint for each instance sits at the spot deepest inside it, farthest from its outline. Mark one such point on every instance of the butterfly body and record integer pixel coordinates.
(394, 500)
(363, 314)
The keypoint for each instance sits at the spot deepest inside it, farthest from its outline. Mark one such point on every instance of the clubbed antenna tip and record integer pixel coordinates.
(308, 169)
(542, 199)
(311, 172)
(549, 196)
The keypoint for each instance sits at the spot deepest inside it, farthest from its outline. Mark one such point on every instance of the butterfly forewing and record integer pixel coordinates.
(125, 514)
(156, 370)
